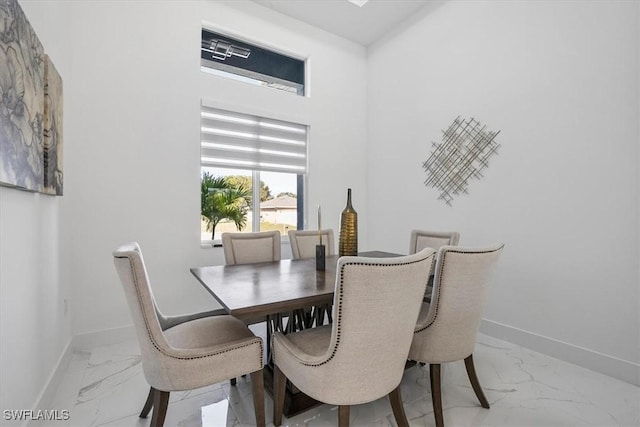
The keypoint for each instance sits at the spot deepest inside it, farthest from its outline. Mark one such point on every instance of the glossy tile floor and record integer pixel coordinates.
(106, 387)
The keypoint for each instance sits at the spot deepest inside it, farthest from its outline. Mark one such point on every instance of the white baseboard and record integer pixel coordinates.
(81, 342)
(90, 340)
(623, 370)
(44, 399)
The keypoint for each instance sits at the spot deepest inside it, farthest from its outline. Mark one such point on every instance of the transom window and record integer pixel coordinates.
(236, 59)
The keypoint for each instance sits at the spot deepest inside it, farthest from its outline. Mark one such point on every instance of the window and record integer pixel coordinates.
(233, 58)
(255, 166)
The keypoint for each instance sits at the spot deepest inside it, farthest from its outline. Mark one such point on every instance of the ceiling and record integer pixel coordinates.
(363, 25)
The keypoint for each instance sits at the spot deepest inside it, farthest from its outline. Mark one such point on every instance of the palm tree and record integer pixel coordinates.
(222, 200)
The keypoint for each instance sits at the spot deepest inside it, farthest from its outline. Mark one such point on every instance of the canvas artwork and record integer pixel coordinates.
(52, 129)
(21, 100)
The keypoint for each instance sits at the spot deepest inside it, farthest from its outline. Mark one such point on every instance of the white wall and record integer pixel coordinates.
(132, 90)
(560, 80)
(34, 328)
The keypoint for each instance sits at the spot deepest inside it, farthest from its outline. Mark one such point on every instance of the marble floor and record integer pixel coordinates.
(106, 387)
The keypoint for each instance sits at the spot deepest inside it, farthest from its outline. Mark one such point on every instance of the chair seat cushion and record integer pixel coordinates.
(312, 341)
(207, 332)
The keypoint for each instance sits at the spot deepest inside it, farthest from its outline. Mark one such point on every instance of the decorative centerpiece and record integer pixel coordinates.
(348, 229)
(320, 248)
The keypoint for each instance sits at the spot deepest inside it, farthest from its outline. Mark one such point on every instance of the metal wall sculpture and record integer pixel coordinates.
(22, 106)
(461, 156)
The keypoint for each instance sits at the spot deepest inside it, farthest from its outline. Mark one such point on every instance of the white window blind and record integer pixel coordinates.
(242, 141)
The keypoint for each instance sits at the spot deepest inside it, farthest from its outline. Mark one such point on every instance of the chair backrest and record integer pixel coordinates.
(246, 248)
(376, 306)
(421, 239)
(462, 276)
(303, 242)
(135, 282)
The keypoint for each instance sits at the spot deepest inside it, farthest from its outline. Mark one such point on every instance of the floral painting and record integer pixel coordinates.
(52, 129)
(21, 100)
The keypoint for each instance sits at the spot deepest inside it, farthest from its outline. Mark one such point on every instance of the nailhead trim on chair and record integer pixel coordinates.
(339, 314)
(444, 259)
(155, 344)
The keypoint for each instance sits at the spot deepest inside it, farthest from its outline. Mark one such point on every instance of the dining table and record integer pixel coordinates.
(288, 295)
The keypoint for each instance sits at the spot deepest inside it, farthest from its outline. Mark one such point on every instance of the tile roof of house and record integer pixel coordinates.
(282, 202)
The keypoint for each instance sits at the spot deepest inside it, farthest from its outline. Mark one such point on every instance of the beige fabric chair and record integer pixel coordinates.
(249, 248)
(303, 242)
(447, 328)
(189, 354)
(376, 303)
(303, 245)
(421, 239)
(246, 248)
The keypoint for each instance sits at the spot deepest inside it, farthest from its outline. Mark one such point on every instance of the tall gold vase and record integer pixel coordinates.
(348, 244)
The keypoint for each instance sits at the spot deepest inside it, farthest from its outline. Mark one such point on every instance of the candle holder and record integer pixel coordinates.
(320, 257)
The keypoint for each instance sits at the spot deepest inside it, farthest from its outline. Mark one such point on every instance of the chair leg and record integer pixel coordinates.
(147, 405)
(398, 408)
(343, 416)
(436, 397)
(471, 372)
(279, 385)
(257, 381)
(160, 404)
(233, 381)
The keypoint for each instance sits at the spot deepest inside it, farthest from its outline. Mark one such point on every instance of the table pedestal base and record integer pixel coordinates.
(295, 401)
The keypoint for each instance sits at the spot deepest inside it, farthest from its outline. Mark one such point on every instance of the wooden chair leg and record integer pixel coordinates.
(147, 405)
(398, 408)
(160, 404)
(343, 416)
(471, 372)
(257, 381)
(279, 385)
(436, 397)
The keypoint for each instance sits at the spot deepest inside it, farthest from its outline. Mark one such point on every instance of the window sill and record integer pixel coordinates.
(210, 244)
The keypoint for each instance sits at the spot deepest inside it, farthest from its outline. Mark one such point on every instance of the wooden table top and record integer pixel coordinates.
(253, 290)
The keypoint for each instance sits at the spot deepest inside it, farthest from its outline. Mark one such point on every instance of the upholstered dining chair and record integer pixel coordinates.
(303, 242)
(421, 239)
(246, 248)
(303, 245)
(447, 328)
(190, 353)
(376, 304)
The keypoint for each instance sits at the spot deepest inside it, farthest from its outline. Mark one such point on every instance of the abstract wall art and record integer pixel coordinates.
(52, 129)
(22, 106)
(460, 157)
